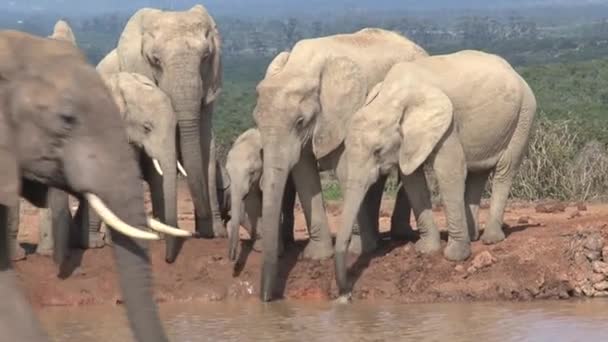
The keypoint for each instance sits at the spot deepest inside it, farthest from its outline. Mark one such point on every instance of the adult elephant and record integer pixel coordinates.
(181, 53)
(303, 111)
(59, 126)
(465, 114)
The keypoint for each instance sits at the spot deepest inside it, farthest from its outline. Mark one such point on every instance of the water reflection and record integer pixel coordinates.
(326, 322)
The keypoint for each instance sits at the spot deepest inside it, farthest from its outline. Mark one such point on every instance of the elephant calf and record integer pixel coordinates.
(465, 114)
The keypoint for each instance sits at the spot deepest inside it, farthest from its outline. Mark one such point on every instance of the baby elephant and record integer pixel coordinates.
(465, 114)
(244, 171)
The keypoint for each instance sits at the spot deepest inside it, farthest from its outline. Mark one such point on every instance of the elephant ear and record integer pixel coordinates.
(10, 179)
(109, 64)
(63, 31)
(342, 92)
(213, 35)
(373, 93)
(422, 126)
(277, 64)
(130, 44)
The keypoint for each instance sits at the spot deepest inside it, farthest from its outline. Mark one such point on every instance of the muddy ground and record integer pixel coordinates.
(553, 250)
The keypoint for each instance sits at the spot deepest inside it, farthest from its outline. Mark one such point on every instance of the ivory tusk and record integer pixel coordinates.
(181, 169)
(157, 166)
(166, 229)
(116, 223)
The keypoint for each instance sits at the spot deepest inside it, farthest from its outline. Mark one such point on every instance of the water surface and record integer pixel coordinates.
(363, 321)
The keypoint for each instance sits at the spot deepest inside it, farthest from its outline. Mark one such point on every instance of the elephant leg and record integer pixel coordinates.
(501, 185)
(16, 252)
(17, 319)
(87, 228)
(287, 217)
(400, 219)
(475, 185)
(369, 216)
(219, 230)
(56, 225)
(45, 231)
(451, 172)
(419, 197)
(308, 186)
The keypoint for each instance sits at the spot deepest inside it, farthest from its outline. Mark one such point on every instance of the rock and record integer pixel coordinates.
(459, 268)
(592, 255)
(581, 207)
(605, 253)
(601, 286)
(550, 208)
(574, 214)
(601, 294)
(483, 259)
(596, 278)
(600, 267)
(594, 242)
(524, 220)
(588, 290)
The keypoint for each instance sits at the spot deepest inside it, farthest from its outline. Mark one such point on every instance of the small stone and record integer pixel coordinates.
(459, 268)
(594, 242)
(600, 267)
(592, 255)
(605, 253)
(581, 207)
(601, 286)
(483, 259)
(471, 269)
(523, 220)
(587, 290)
(574, 214)
(601, 294)
(596, 278)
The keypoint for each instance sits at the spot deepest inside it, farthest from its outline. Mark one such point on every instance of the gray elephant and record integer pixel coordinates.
(465, 114)
(181, 52)
(244, 169)
(303, 111)
(60, 127)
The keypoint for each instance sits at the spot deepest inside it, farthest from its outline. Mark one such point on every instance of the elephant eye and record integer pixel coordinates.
(68, 120)
(148, 127)
(154, 60)
(299, 122)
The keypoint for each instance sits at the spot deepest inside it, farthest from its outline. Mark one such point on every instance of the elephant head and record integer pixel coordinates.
(181, 53)
(401, 123)
(150, 122)
(60, 127)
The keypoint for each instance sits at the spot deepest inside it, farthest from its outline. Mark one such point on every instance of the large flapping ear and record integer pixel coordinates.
(426, 118)
(114, 84)
(213, 35)
(277, 64)
(10, 177)
(109, 64)
(130, 49)
(342, 92)
(63, 31)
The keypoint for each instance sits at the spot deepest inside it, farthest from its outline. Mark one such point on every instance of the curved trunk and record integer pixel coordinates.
(287, 207)
(354, 194)
(183, 84)
(236, 212)
(276, 170)
(168, 164)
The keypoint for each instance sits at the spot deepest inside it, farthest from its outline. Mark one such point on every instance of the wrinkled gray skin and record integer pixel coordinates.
(244, 170)
(464, 114)
(59, 126)
(181, 52)
(303, 110)
(150, 123)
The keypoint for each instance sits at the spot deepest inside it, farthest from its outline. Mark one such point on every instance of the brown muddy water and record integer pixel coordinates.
(307, 322)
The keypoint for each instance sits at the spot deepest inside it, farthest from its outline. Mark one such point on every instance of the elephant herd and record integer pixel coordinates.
(361, 104)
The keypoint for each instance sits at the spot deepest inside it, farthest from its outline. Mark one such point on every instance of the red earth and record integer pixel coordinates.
(548, 253)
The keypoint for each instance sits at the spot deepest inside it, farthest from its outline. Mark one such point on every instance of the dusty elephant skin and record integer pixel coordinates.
(466, 115)
(181, 52)
(304, 106)
(545, 259)
(54, 134)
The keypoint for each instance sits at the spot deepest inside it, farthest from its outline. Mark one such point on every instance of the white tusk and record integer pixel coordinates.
(157, 166)
(166, 229)
(113, 221)
(181, 169)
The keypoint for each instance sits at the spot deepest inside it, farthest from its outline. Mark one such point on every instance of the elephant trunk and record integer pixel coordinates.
(236, 212)
(354, 194)
(168, 163)
(184, 86)
(276, 170)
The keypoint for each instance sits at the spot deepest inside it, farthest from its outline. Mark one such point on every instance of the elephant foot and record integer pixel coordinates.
(492, 235)
(258, 247)
(403, 233)
(318, 250)
(474, 234)
(219, 230)
(357, 247)
(96, 240)
(344, 299)
(428, 244)
(17, 253)
(457, 250)
(205, 227)
(44, 250)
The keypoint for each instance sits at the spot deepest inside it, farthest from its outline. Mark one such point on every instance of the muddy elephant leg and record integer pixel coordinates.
(419, 197)
(17, 319)
(219, 230)
(451, 172)
(401, 229)
(16, 252)
(308, 186)
(369, 216)
(501, 186)
(287, 218)
(475, 185)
